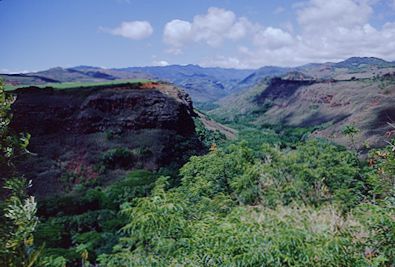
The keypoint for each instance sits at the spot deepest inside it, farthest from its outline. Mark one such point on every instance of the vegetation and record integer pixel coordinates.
(17, 210)
(68, 85)
(208, 137)
(274, 197)
(11, 145)
(351, 131)
(18, 222)
(313, 204)
(118, 157)
(302, 207)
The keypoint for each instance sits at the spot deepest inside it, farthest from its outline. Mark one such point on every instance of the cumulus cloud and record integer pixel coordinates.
(241, 28)
(324, 31)
(328, 31)
(323, 14)
(134, 30)
(176, 34)
(211, 28)
(272, 38)
(337, 29)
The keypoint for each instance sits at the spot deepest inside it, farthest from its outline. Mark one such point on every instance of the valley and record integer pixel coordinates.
(193, 166)
(197, 133)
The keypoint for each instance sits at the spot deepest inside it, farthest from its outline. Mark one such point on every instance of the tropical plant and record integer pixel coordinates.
(11, 145)
(351, 131)
(18, 223)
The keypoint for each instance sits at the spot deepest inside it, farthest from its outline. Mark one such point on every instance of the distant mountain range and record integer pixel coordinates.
(203, 84)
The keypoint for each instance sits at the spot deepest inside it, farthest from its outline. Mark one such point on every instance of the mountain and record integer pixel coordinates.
(299, 100)
(69, 75)
(339, 70)
(204, 85)
(260, 74)
(24, 79)
(360, 62)
(357, 67)
(120, 127)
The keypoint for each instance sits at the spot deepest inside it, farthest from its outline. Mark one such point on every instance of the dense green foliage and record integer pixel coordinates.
(18, 219)
(273, 197)
(208, 137)
(86, 221)
(242, 204)
(301, 207)
(18, 222)
(11, 145)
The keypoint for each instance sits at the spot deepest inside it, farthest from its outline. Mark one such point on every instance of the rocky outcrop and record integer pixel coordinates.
(120, 108)
(281, 89)
(73, 130)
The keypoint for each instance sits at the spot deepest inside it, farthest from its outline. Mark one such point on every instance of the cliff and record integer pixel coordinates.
(94, 135)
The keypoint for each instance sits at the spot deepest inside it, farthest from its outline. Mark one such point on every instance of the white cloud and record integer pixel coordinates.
(7, 71)
(223, 62)
(177, 33)
(161, 63)
(326, 31)
(323, 14)
(333, 30)
(211, 28)
(135, 30)
(241, 28)
(272, 38)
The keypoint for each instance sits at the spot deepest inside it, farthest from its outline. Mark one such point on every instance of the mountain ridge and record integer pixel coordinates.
(204, 84)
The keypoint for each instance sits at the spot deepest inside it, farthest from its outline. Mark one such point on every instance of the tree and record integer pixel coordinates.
(351, 131)
(18, 211)
(11, 145)
(18, 222)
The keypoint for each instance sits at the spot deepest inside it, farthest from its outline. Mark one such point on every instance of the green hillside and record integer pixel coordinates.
(271, 197)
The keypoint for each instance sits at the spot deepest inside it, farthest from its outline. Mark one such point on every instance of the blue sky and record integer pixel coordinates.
(40, 34)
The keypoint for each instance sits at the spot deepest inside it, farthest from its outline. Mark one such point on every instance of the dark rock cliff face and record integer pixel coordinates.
(281, 89)
(82, 111)
(81, 135)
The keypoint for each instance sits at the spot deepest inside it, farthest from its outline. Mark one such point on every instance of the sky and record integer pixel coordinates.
(40, 34)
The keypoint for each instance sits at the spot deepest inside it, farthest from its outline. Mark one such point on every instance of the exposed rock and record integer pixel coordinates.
(73, 129)
(329, 105)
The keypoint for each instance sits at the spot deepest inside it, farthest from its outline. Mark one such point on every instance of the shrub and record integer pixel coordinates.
(118, 158)
(208, 137)
(137, 183)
